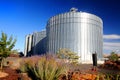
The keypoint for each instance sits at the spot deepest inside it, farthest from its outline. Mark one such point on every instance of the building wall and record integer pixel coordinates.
(78, 31)
(39, 42)
(35, 43)
(28, 44)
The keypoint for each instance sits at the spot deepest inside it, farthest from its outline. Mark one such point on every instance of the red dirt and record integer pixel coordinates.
(3, 74)
(12, 74)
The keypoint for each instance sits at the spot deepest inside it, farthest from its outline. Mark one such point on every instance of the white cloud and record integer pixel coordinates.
(111, 46)
(112, 36)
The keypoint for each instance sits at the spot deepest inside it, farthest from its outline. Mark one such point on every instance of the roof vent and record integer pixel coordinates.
(73, 9)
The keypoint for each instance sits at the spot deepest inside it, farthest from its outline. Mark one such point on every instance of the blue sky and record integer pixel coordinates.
(22, 17)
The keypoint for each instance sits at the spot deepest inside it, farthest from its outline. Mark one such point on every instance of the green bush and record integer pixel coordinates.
(68, 55)
(113, 56)
(6, 47)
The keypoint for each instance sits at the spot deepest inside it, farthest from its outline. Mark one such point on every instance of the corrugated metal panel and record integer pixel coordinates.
(78, 31)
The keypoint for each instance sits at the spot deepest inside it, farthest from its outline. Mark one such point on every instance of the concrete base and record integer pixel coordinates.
(90, 62)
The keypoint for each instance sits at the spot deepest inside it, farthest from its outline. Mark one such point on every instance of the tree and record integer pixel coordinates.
(67, 54)
(113, 56)
(6, 46)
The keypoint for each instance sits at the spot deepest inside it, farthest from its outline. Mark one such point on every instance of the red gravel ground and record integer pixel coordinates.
(83, 68)
(13, 75)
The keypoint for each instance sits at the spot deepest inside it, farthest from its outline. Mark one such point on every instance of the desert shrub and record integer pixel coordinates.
(14, 55)
(108, 76)
(23, 67)
(113, 56)
(46, 68)
(68, 55)
(24, 64)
